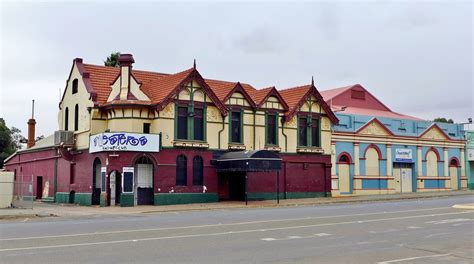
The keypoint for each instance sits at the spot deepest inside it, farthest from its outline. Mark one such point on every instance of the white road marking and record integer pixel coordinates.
(407, 259)
(268, 239)
(219, 224)
(322, 234)
(413, 227)
(229, 232)
(293, 237)
(448, 221)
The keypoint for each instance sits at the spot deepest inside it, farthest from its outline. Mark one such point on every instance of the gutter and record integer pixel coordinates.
(220, 131)
(286, 136)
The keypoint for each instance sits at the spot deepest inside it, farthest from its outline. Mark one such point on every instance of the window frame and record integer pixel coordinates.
(75, 84)
(310, 117)
(190, 120)
(268, 115)
(231, 126)
(198, 176)
(182, 181)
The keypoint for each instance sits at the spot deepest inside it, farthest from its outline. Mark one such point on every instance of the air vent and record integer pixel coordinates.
(357, 94)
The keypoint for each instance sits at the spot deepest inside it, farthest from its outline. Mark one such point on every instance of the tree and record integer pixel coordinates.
(112, 60)
(443, 120)
(7, 146)
(17, 137)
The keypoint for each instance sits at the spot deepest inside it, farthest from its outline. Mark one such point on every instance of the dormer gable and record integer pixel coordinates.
(434, 132)
(238, 96)
(375, 128)
(272, 100)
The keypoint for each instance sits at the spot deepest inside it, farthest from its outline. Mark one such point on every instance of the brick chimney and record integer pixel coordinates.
(31, 128)
(125, 62)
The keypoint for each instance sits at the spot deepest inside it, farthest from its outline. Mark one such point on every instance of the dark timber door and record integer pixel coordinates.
(237, 186)
(118, 187)
(39, 187)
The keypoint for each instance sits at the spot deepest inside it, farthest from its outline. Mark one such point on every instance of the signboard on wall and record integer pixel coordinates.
(127, 179)
(122, 141)
(470, 154)
(403, 155)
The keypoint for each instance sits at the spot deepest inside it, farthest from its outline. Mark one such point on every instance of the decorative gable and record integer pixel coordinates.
(374, 127)
(434, 132)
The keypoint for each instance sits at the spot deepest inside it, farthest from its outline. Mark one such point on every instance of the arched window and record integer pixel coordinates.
(454, 163)
(198, 171)
(66, 119)
(181, 170)
(76, 117)
(74, 86)
(431, 163)
(144, 172)
(344, 159)
(372, 162)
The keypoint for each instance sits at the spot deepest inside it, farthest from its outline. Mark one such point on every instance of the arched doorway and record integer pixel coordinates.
(96, 181)
(343, 164)
(144, 181)
(453, 173)
(115, 187)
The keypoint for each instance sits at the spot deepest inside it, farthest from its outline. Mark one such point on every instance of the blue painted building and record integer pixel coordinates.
(378, 151)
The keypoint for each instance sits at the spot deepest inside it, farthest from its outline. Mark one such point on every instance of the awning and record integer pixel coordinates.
(249, 161)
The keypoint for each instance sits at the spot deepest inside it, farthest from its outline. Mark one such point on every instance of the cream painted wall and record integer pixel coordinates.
(431, 164)
(371, 162)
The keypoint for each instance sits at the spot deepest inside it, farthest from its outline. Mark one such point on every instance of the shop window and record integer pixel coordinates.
(182, 123)
(272, 129)
(146, 128)
(236, 127)
(66, 119)
(198, 170)
(198, 124)
(74, 86)
(76, 117)
(303, 131)
(181, 170)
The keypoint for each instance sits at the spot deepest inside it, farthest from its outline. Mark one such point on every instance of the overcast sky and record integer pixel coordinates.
(416, 57)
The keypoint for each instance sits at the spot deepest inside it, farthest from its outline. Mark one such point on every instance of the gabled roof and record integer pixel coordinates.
(341, 100)
(296, 96)
(161, 88)
(266, 93)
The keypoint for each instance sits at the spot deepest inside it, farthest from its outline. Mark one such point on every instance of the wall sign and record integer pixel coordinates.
(122, 141)
(403, 155)
(127, 179)
(470, 154)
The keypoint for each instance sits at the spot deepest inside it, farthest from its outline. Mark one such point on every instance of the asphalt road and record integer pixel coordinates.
(406, 231)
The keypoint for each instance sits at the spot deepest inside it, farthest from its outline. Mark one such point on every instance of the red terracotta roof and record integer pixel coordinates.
(160, 86)
(293, 95)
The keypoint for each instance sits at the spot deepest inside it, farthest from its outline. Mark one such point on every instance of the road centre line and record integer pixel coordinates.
(215, 225)
(229, 232)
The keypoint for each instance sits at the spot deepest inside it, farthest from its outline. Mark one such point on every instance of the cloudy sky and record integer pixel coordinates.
(417, 57)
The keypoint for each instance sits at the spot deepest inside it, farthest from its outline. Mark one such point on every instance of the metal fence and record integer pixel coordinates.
(23, 196)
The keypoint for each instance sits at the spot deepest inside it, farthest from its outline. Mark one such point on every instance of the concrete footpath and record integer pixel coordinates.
(41, 209)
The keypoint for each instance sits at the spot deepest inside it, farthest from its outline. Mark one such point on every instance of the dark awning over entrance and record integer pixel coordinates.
(249, 161)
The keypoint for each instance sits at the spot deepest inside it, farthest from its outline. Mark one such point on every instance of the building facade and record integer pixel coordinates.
(378, 151)
(470, 158)
(143, 137)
